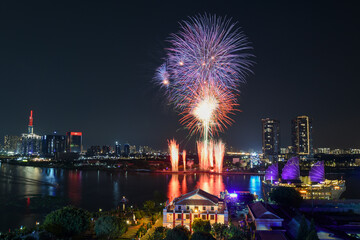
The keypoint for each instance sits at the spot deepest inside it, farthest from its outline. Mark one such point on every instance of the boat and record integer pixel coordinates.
(314, 186)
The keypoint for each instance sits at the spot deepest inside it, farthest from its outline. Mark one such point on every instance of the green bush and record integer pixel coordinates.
(67, 222)
(286, 196)
(178, 233)
(202, 236)
(109, 226)
(200, 225)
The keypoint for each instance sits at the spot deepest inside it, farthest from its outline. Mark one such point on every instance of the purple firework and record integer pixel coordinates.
(205, 63)
(208, 50)
(162, 76)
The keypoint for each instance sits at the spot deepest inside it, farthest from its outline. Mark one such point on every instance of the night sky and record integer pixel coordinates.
(88, 66)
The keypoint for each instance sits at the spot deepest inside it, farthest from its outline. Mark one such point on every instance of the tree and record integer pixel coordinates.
(178, 233)
(159, 233)
(200, 225)
(312, 231)
(312, 235)
(235, 233)
(286, 196)
(202, 236)
(139, 214)
(303, 230)
(219, 230)
(67, 222)
(149, 206)
(109, 226)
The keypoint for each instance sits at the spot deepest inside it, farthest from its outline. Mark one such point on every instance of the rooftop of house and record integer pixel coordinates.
(260, 211)
(196, 196)
(270, 235)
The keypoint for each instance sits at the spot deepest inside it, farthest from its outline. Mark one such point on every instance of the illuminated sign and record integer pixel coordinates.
(76, 133)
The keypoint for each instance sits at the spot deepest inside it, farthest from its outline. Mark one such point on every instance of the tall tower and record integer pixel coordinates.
(270, 137)
(301, 128)
(31, 126)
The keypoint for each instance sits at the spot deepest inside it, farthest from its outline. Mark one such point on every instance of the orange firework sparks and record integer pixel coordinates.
(184, 159)
(174, 155)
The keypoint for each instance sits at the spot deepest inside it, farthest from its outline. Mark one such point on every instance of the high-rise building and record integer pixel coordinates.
(301, 128)
(270, 137)
(132, 149)
(117, 149)
(94, 151)
(12, 144)
(105, 150)
(53, 145)
(126, 150)
(73, 142)
(30, 142)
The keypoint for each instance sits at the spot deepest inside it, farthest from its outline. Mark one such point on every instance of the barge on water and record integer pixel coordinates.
(314, 186)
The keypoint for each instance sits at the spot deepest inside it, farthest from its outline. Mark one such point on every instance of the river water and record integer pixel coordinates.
(92, 189)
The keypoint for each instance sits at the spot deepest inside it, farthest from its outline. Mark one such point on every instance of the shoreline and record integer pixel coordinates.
(97, 168)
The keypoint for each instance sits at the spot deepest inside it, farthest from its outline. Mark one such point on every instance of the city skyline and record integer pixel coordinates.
(91, 71)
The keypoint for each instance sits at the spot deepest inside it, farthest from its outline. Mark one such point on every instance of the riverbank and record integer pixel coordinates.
(117, 168)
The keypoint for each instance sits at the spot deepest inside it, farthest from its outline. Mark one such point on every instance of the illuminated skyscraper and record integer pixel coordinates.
(12, 144)
(117, 149)
(126, 150)
(270, 137)
(53, 145)
(302, 135)
(73, 142)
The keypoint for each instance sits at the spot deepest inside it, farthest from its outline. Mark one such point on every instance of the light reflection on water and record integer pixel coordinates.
(102, 189)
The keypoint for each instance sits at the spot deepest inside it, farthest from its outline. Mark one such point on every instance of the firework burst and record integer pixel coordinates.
(205, 63)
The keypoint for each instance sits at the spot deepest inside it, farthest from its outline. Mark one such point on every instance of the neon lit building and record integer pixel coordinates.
(73, 142)
(196, 204)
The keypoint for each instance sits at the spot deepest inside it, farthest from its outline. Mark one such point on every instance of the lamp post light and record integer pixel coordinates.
(124, 201)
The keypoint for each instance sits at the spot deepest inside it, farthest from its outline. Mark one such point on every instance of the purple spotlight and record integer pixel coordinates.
(291, 170)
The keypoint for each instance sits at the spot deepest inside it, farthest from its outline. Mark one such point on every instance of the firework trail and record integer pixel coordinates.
(174, 155)
(184, 159)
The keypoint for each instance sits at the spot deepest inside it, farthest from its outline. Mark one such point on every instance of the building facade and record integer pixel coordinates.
(117, 149)
(12, 144)
(270, 137)
(126, 150)
(30, 142)
(53, 145)
(73, 142)
(263, 217)
(302, 142)
(196, 204)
